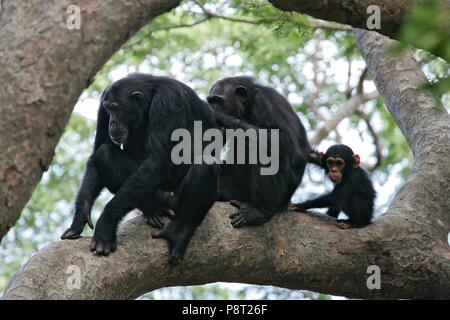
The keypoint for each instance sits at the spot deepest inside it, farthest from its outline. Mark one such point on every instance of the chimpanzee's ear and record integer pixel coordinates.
(356, 161)
(137, 94)
(241, 92)
(321, 155)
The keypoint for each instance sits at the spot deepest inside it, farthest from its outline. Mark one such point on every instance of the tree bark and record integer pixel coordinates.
(294, 250)
(354, 12)
(44, 67)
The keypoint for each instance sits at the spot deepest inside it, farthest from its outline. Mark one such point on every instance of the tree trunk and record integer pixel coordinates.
(303, 251)
(44, 67)
(354, 12)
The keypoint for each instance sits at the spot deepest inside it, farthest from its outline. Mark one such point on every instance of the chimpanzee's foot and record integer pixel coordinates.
(156, 216)
(296, 207)
(247, 215)
(178, 239)
(82, 216)
(78, 224)
(345, 224)
(72, 233)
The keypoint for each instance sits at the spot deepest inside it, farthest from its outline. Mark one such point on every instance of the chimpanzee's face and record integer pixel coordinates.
(335, 168)
(125, 107)
(228, 98)
(339, 160)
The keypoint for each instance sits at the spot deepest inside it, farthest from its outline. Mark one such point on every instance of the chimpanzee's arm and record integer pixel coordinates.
(90, 186)
(231, 122)
(324, 201)
(139, 186)
(314, 158)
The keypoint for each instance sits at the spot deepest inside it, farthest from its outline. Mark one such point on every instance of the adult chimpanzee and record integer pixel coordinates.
(140, 112)
(353, 192)
(241, 103)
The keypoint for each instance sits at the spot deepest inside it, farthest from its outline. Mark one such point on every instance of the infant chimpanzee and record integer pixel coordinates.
(353, 192)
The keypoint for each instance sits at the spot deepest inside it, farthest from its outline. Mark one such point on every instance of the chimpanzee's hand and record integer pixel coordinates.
(226, 120)
(221, 116)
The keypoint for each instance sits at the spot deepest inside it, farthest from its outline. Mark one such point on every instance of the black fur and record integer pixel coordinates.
(354, 194)
(240, 102)
(141, 112)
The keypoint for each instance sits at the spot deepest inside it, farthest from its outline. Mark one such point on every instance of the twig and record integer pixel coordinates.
(177, 26)
(209, 15)
(376, 141)
(348, 108)
(360, 87)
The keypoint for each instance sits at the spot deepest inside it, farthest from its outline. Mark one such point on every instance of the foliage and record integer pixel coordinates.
(316, 68)
(428, 27)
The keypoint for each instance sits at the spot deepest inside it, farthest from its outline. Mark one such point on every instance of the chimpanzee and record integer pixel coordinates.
(139, 114)
(353, 192)
(241, 103)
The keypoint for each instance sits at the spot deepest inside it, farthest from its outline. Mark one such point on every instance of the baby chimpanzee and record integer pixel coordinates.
(353, 192)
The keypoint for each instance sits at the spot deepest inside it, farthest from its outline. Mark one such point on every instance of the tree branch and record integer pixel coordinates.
(215, 15)
(426, 127)
(376, 141)
(351, 12)
(354, 12)
(167, 28)
(349, 107)
(290, 252)
(325, 25)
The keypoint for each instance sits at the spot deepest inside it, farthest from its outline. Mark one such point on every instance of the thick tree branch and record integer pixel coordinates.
(426, 126)
(44, 66)
(291, 251)
(354, 12)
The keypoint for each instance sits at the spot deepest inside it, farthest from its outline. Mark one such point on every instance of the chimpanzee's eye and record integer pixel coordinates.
(215, 100)
(340, 163)
(111, 106)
